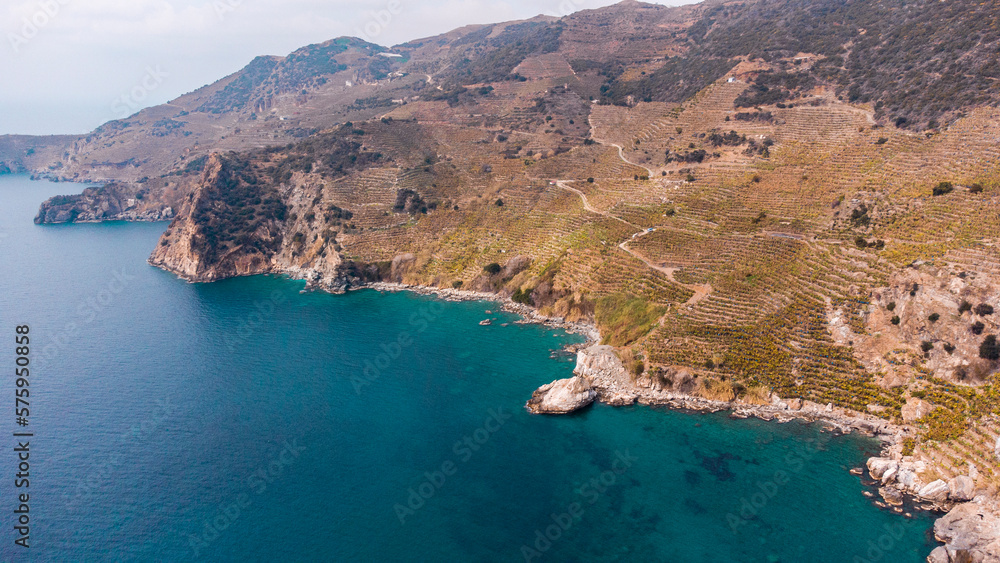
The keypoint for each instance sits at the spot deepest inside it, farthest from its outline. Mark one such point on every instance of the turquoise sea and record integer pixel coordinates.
(246, 420)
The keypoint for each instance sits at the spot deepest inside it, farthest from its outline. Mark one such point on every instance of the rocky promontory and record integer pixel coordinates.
(970, 532)
(562, 397)
(113, 202)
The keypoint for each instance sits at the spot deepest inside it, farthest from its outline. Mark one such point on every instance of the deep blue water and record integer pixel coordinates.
(237, 421)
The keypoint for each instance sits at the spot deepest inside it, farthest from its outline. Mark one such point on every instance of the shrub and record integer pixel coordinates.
(934, 317)
(715, 390)
(976, 188)
(964, 306)
(457, 284)
(891, 306)
(492, 269)
(909, 444)
(949, 347)
(984, 309)
(590, 180)
(895, 320)
(990, 349)
(943, 188)
(521, 296)
(690, 178)
(757, 395)
(926, 346)
(499, 203)
(860, 242)
(977, 328)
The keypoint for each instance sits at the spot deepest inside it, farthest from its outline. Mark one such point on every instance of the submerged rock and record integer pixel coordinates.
(562, 396)
(892, 496)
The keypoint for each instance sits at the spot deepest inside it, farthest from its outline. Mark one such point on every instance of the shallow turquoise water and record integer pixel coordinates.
(237, 421)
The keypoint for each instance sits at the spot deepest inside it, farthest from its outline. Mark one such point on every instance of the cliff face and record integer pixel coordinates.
(234, 224)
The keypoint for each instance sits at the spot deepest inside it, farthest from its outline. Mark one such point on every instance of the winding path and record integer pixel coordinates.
(700, 291)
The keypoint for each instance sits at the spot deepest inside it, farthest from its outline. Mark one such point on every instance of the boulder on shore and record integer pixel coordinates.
(936, 491)
(562, 396)
(963, 488)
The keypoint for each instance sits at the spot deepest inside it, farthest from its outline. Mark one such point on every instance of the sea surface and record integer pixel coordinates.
(247, 420)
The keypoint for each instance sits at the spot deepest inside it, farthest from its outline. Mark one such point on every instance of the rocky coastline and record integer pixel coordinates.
(969, 527)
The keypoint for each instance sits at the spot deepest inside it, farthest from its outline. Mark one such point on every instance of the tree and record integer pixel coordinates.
(984, 309)
(492, 269)
(990, 349)
(934, 317)
(943, 188)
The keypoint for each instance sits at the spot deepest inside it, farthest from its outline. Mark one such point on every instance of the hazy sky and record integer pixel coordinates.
(69, 65)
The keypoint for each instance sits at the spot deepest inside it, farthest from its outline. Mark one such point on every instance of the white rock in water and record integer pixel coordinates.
(878, 466)
(562, 396)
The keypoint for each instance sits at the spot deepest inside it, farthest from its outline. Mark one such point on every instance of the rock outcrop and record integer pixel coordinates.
(970, 532)
(909, 477)
(599, 374)
(113, 202)
(915, 409)
(562, 396)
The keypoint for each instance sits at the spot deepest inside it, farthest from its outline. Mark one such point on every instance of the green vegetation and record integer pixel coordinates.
(943, 188)
(989, 349)
(624, 318)
(521, 296)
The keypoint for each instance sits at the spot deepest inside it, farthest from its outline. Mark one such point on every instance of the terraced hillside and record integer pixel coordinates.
(739, 218)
